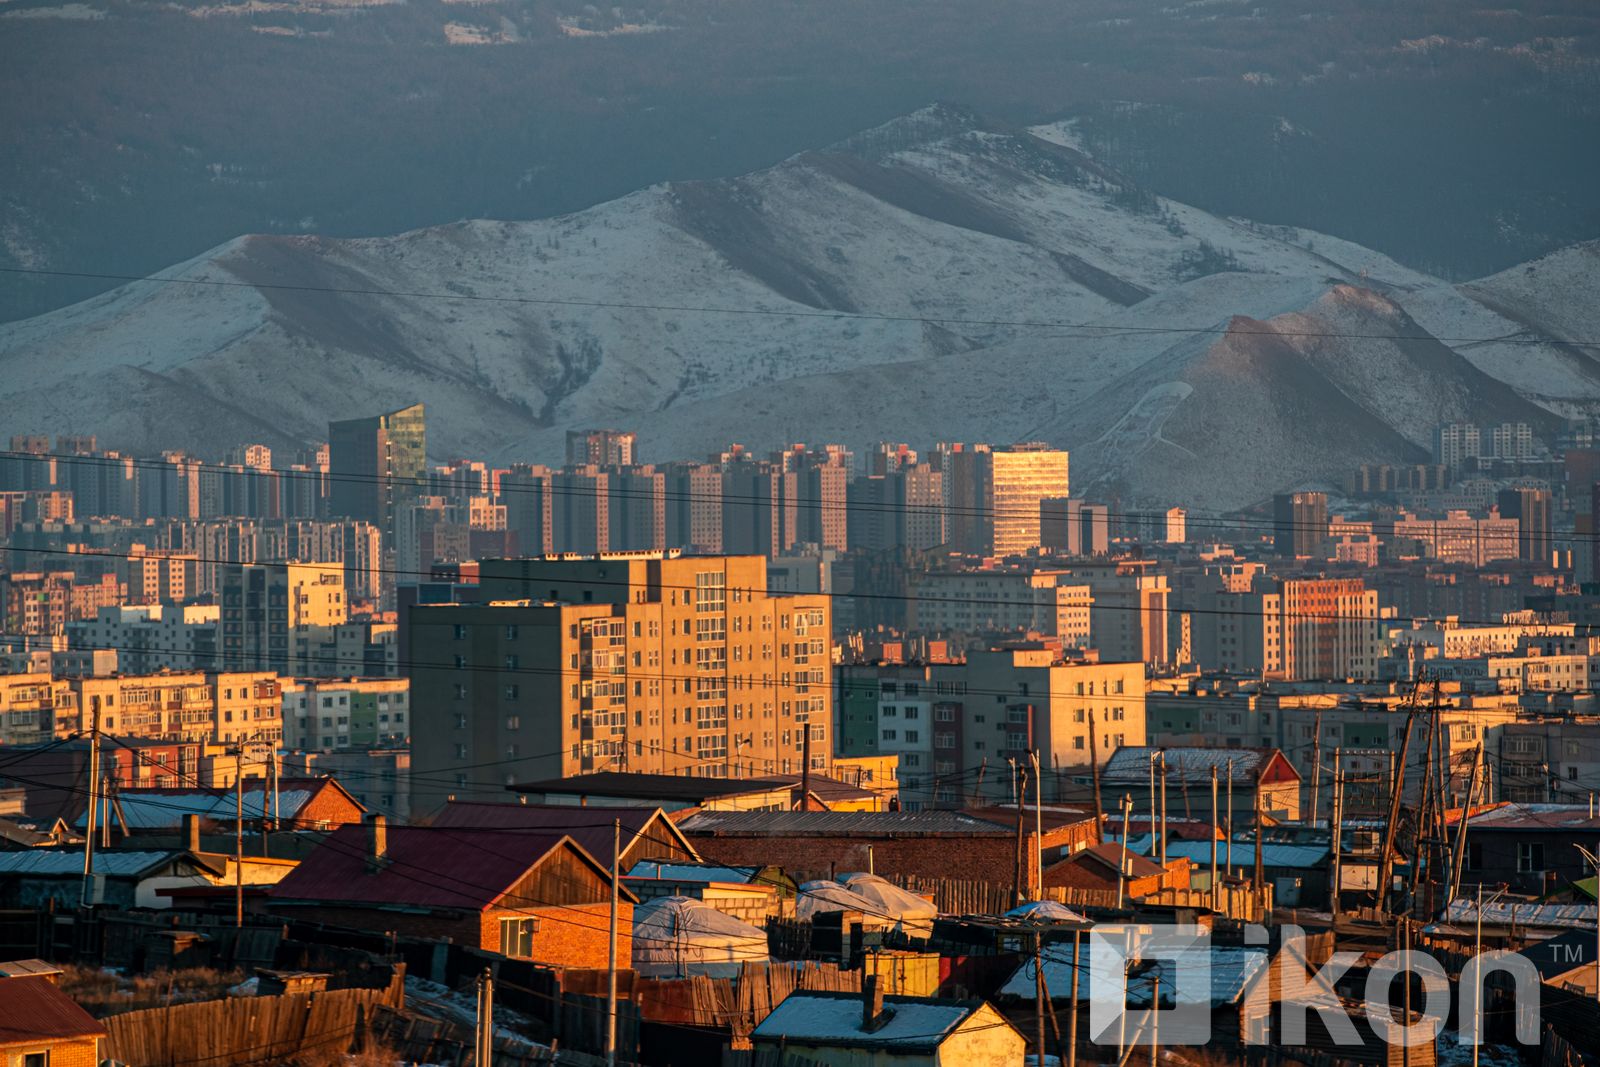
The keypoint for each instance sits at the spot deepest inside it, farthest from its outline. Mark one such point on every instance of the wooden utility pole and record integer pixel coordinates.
(1336, 840)
(611, 942)
(1072, 1024)
(238, 837)
(1038, 990)
(1038, 832)
(483, 1032)
(1227, 840)
(1458, 861)
(1397, 784)
(1094, 771)
(1153, 827)
(1163, 808)
(1258, 876)
(87, 893)
(1213, 835)
(1021, 780)
(1316, 764)
(1122, 864)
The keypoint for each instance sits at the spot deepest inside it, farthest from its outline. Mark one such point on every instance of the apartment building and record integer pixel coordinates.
(653, 662)
(1550, 761)
(1049, 603)
(222, 707)
(29, 704)
(328, 714)
(281, 616)
(148, 638)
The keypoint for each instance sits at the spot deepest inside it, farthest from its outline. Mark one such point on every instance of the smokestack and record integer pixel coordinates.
(377, 841)
(871, 1004)
(191, 833)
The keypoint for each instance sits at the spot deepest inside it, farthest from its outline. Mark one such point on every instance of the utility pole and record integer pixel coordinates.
(238, 837)
(1122, 864)
(1155, 1017)
(1163, 808)
(1213, 835)
(1038, 989)
(1038, 830)
(611, 944)
(1336, 839)
(1072, 1024)
(1227, 842)
(483, 1032)
(1458, 859)
(1257, 876)
(1316, 764)
(1153, 827)
(85, 896)
(1396, 784)
(1094, 771)
(1020, 785)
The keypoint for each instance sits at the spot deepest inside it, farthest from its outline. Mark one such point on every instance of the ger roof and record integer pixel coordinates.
(32, 1008)
(425, 866)
(816, 1017)
(590, 827)
(841, 824)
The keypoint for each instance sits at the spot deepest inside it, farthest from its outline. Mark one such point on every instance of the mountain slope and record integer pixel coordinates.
(940, 276)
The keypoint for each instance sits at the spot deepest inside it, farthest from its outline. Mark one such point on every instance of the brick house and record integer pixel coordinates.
(534, 896)
(1096, 868)
(40, 1026)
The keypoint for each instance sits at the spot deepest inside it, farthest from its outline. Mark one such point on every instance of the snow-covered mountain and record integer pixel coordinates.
(940, 277)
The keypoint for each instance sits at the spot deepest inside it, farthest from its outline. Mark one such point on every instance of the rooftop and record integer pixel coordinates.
(33, 1009)
(649, 786)
(843, 824)
(833, 1018)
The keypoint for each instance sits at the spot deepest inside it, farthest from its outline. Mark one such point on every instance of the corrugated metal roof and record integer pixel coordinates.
(34, 1009)
(1244, 855)
(691, 872)
(1131, 763)
(840, 823)
(164, 810)
(1231, 970)
(1515, 816)
(825, 1018)
(590, 827)
(1505, 914)
(51, 863)
(423, 866)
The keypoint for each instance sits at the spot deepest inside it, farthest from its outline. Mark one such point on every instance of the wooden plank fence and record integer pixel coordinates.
(738, 1004)
(417, 1039)
(247, 1030)
(958, 897)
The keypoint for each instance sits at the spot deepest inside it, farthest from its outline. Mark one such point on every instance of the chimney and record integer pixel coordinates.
(872, 1015)
(191, 833)
(377, 841)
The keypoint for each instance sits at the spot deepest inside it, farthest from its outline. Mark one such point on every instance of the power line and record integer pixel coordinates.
(796, 313)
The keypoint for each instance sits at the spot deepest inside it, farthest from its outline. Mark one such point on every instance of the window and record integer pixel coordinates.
(511, 632)
(516, 937)
(460, 632)
(36, 1059)
(1474, 855)
(1530, 856)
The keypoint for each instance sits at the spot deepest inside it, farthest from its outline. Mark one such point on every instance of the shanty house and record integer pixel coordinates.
(535, 896)
(868, 1029)
(1188, 780)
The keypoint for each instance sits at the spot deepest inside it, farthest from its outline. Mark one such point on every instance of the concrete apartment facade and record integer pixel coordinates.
(645, 662)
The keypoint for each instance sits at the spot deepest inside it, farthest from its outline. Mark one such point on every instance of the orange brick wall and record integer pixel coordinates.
(574, 936)
(76, 1052)
(329, 807)
(984, 858)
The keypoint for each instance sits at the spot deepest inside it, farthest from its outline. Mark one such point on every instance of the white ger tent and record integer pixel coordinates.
(912, 914)
(678, 937)
(1045, 911)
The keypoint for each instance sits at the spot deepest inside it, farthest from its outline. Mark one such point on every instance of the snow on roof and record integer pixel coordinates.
(1503, 913)
(1131, 763)
(827, 1018)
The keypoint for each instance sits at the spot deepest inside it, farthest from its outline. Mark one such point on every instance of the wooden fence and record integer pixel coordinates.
(248, 1030)
(956, 897)
(1557, 1051)
(737, 1004)
(416, 1039)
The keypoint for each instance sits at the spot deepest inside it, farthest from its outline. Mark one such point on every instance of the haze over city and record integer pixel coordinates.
(778, 535)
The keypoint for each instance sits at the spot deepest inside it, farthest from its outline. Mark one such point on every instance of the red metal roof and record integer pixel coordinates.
(425, 866)
(33, 1009)
(589, 827)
